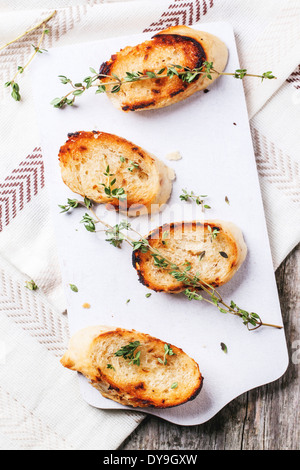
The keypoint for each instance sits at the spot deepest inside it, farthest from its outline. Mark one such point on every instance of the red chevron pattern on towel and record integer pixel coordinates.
(21, 186)
(32, 312)
(180, 12)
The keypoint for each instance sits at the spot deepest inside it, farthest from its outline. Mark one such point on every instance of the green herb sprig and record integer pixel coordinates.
(168, 351)
(186, 196)
(133, 166)
(115, 236)
(129, 352)
(115, 84)
(73, 287)
(12, 84)
(214, 231)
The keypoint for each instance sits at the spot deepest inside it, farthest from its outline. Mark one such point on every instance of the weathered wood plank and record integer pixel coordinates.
(265, 418)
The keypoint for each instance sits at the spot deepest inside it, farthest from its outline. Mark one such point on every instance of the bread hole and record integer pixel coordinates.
(143, 176)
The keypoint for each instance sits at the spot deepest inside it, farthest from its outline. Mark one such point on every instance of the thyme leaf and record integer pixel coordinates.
(73, 287)
(129, 352)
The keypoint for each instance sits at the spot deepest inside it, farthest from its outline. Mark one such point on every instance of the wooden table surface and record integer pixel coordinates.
(266, 418)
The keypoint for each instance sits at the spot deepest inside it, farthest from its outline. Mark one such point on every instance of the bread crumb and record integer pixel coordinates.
(86, 305)
(174, 156)
(171, 174)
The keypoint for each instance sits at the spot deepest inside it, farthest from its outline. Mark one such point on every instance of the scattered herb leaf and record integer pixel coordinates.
(128, 351)
(73, 287)
(31, 285)
(186, 196)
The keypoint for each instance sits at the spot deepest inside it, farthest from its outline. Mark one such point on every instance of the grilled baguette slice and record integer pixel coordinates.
(149, 384)
(85, 157)
(179, 45)
(213, 259)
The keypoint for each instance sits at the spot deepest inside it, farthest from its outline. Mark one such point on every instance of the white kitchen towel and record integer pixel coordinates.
(40, 402)
(34, 329)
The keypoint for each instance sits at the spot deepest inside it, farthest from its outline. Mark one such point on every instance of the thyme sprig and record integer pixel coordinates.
(110, 190)
(31, 285)
(213, 232)
(183, 274)
(15, 88)
(129, 352)
(191, 196)
(115, 83)
(115, 236)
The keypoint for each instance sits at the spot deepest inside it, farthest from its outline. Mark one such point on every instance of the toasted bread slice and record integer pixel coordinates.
(84, 159)
(155, 380)
(178, 45)
(213, 258)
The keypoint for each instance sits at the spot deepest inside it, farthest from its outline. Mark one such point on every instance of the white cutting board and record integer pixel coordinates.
(217, 160)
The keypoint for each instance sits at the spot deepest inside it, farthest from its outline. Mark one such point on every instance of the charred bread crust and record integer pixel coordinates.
(141, 260)
(191, 47)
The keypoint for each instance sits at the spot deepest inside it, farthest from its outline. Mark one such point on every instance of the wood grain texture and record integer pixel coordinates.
(266, 418)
